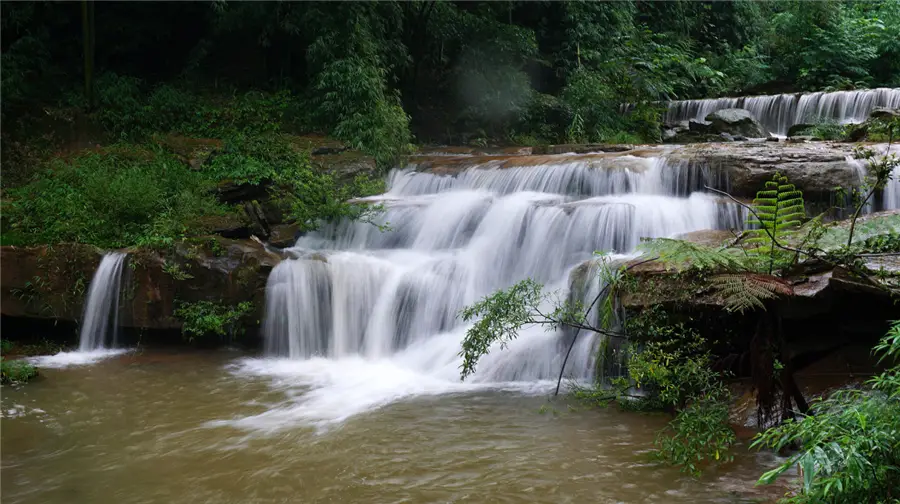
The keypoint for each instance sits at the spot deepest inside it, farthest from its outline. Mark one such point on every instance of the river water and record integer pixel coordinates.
(155, 427)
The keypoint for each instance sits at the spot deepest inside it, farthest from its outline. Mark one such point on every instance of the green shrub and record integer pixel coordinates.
(129, 109)
(353, 101)
(16, 371)
(313, 196)
(123, 196)
(849, 442)
(205, 319)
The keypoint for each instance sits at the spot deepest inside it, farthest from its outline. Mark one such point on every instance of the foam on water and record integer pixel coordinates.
(66, 359)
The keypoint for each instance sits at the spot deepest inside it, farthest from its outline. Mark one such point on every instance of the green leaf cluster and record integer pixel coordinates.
(209, 319)
(16, 371)
(849, 443)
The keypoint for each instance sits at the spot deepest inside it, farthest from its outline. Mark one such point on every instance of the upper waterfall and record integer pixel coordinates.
(778, 113)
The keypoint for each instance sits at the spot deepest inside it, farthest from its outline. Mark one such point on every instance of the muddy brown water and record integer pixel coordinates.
(160, 428)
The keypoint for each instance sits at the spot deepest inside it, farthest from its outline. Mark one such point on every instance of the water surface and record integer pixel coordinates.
(155, 427)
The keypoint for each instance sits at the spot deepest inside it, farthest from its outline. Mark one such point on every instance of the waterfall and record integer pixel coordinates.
(778, 113)
(353, 291)
(101, 310)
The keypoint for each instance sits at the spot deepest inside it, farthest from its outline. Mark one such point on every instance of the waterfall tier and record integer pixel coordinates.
(354, 291)
(778, 113)
(101, 310)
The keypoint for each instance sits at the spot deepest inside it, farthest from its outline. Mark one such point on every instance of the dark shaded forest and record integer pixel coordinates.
(380, 75)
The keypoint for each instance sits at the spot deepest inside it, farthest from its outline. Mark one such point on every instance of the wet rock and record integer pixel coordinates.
(816, 168)
(210, 268)
(346, 165)
(580, 148)
(284, 235)
(798, 129)
(736, 122)
(669, 135)
(884, 113)
(802, 139)
(699, 126)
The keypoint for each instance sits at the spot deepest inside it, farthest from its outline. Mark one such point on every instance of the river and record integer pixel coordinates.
(159, 427)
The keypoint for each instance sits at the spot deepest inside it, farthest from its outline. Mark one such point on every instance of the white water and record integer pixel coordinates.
(101, 310)
(364, 317)
(778, 113)
(100, 326)
(79, 358)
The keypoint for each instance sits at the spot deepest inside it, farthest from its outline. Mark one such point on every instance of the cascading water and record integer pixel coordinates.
(98, 337)
(778, 113)
(101, 310)
(366, 316)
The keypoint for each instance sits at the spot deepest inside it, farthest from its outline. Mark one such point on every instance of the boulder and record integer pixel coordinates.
(743, 168)
(736, 122)
(798, 129)
(884, 113)
(284, 235)
(699, 126)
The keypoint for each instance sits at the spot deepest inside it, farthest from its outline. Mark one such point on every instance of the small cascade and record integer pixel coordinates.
(354, 291)
(778, 113)
(101, 310)
(891, 198)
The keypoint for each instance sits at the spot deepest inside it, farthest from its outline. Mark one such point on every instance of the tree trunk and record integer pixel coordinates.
(89, 46)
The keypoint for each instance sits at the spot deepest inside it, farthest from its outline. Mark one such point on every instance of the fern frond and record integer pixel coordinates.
(748, 291)
(684, 254)
(779, 209)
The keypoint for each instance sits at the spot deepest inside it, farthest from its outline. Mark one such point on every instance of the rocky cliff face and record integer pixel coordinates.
(49, 282)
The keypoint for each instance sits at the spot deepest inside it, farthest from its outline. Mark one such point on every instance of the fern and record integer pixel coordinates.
(778, 210)
(686, 255)
(748, 290)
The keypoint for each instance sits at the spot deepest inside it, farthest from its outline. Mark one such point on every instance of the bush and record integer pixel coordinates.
(353, 101)
(204, 319)
(313, 196)
(16, 371)
(129, 109)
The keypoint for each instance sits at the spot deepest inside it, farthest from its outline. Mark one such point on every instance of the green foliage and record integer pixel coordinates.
(369, 73)
(848, 443)
(355, 101)
(672, 368)
(132, 110)
(16, 371)
(123, 196)
(175, 271)
(684, 254)
(499, 318)
(699, 435)
(313, 196)
(206, 319)
(5, 346)
(778, 209)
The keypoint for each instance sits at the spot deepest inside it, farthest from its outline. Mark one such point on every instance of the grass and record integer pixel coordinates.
(16, 371)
